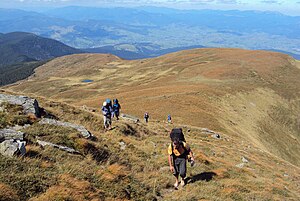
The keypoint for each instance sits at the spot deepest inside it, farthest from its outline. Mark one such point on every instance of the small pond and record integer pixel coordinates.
(87, 81)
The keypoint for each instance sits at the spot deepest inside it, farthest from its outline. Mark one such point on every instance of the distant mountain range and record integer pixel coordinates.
(137, 51)
(162, 28)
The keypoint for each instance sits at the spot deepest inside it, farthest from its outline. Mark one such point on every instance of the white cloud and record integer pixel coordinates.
(271, 2)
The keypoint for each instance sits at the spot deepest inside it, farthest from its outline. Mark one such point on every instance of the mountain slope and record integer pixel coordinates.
(251, 94)
(130, 163)
(250, 98)
(20, 47)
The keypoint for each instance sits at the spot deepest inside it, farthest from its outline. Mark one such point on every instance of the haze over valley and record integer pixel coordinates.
(145, 31)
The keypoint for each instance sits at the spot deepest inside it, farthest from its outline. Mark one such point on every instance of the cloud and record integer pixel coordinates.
(271, 2)
(227, 2)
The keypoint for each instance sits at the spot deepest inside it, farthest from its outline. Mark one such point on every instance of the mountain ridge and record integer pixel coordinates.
(249, 98)
(228, 89)
(31, 46)
(22, 52)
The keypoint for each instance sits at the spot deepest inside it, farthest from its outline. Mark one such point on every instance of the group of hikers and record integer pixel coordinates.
(146, 117)
(109, 111)
(179, 152)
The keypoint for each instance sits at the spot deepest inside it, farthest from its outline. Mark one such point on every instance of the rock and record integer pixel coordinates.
(12, 142)
(10, 134)
(130, 118)
(206, 130)
(245, 160)
(241, 165)
(10, 148)
(18, 127)
(85, 133)
(210, 132)
(122, 145)
(217, 136)
(30, 106)
(21, 147)
(67, 149)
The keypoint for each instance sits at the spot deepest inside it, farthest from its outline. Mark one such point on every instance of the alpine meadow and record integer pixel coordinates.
(229, 79)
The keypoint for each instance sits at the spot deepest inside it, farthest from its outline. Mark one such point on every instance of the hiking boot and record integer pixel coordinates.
(176, 185)
(182, 183)
(192, 163)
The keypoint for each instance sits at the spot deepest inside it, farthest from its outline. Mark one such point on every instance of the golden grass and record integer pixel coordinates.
(7, 193)
(248, 97)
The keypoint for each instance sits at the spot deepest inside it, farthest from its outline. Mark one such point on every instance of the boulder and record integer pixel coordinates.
(11, 142)
(130, 118)
(85, 133)
(10, 134)
(30, 106)
(11, 147)
(67, 149)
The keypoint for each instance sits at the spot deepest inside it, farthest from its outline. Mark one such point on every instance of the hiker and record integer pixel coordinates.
(146, 117)
(179, 151)
(116, 109)
(169, 119)
(108, 101)
(106, 111)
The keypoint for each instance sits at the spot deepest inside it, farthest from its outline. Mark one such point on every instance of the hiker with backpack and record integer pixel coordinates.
(107, 111)
(146, 117)
(116, 109)
(179, 152)
(169, 119)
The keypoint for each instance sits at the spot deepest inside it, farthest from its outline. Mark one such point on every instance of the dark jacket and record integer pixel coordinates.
(106, 111)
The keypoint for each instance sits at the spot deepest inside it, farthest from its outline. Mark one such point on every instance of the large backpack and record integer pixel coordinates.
(177, 133)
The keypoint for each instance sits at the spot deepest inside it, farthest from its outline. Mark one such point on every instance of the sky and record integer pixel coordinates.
(289, 7)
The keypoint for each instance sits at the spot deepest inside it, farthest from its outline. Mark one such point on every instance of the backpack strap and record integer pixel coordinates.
(183, 145)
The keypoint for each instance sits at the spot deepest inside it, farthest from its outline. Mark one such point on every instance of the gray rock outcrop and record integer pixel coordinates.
(10, 134)
(85, 133)
(11, 142)
(30, 106)
(67, 149)
(11, 147)
(211, 132)
(130, 118)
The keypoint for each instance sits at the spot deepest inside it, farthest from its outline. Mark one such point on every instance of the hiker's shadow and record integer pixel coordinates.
(204, 176)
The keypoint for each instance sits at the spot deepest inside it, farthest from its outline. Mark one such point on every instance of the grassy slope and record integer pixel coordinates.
(251, 97)
(140, 172)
